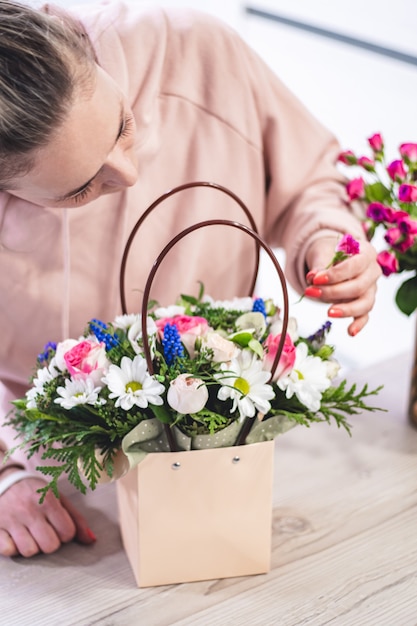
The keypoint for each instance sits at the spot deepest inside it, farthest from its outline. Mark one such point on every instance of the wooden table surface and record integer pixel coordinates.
(344, 541)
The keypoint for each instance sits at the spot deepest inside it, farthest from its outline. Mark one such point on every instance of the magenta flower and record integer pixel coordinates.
(347, 247)
(356, 188)
(347, 157)
(376, 142)
(388, 262)
(407, 193)
(380, 213)
(397, 171)
(405, 223)
(398, 240)
(367, 163)
(409, 152)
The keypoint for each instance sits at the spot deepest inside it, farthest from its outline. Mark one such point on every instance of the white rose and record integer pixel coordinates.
(187, 394)
(223, 349)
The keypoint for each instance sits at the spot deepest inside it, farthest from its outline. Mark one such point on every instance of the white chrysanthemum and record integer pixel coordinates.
(245, 382)
(292, 328)
(307, 380)
(169, 311)
(79, 391)
(126, 321)
(237, 304)
(132, 384)
(43, 376)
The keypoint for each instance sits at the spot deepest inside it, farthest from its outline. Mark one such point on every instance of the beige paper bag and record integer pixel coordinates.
(198, 515)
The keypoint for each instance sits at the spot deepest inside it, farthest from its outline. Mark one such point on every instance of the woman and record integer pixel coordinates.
(102, 112)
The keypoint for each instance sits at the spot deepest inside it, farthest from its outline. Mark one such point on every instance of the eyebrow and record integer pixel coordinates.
(74, 192)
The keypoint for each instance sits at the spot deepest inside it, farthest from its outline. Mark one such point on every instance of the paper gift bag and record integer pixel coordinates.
(199, 514)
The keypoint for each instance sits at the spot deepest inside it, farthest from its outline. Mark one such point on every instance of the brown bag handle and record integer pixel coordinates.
(145, 300)
(158, 201)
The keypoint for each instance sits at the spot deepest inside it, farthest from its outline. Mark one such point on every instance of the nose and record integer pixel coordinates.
(120, 169)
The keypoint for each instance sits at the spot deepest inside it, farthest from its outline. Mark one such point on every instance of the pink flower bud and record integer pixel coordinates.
(405, 223)
(396, 171)
(409, 152)
(347, 157)
(407, 193)
(367, 163)
(376, 142)
(356, 188)
(388, 262)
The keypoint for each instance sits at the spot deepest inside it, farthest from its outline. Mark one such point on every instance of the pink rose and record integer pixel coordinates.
(347, 157)
(396, 171)
(367, 163)
(405, 223)
(388, 262)
(398, 240)
(376, 142)
(409, 152)
(355, 188)
(380, 213)
(407, 193)
(287, 358)
(87, 359)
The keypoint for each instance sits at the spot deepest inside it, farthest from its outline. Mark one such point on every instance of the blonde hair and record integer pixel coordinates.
(45, 57)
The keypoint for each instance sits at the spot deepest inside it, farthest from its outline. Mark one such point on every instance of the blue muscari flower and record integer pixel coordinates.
(171, 344)
(100, 330)
(320, 335)
(48, 348)
(259, 306)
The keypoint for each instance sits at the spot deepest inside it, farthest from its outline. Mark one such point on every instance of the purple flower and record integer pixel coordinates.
(407, 193)
(396, 171)
(380, 213)
(388, 262)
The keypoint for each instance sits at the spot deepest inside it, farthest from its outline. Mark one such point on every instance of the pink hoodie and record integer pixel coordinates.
(207, 108)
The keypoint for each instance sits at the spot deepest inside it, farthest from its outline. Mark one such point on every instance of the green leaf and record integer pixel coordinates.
(161, 413)
(406, 296)
(377, 192)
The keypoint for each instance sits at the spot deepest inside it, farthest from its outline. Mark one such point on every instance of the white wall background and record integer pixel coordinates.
(355, 93)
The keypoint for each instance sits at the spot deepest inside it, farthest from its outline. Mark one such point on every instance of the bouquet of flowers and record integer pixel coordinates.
(390, 193)
(94, 396)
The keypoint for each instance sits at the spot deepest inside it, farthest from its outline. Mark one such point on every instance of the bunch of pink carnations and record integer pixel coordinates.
(389, 190)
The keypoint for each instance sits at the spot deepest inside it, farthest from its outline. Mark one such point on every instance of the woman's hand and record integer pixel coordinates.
(350, 286)
(27, 527)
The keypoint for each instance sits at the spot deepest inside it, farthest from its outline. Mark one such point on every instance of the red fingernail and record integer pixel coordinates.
(313, 292)
(321, 279)
(353, 331)
(91, 534)
(335, 312)
(310, 275)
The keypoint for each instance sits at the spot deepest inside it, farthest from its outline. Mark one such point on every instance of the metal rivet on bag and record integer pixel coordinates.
(176, 465)
(236, 459)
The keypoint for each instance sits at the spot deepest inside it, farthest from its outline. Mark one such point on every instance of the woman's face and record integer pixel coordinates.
(91, 154)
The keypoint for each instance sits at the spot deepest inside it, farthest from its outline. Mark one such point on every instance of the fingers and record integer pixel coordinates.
(27, 527)
(350, 287)
(83, 533)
